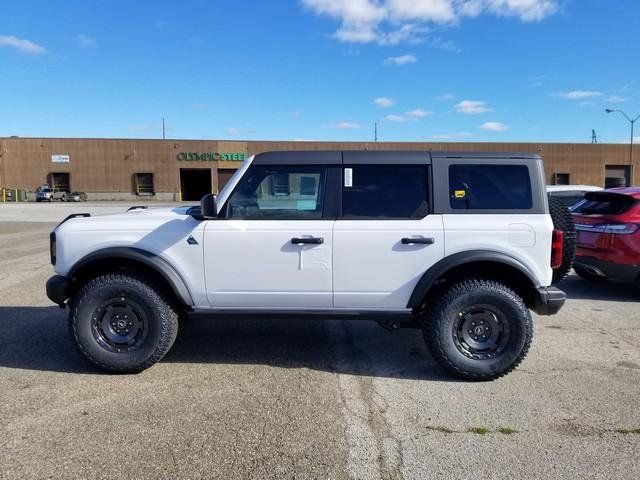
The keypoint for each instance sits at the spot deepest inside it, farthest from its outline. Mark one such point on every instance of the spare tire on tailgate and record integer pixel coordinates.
(562, 220)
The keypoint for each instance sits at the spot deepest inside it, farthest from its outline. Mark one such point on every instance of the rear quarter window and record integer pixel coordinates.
(489, 187)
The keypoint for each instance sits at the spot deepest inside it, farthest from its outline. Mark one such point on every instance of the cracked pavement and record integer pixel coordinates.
(307, 398)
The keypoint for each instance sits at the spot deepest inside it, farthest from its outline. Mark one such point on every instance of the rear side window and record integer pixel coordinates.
(385, 192)
(489, 187)
(604, 204)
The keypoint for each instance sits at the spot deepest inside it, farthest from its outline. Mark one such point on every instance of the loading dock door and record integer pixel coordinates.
(60, 181)
(195, 183)
(617, 176)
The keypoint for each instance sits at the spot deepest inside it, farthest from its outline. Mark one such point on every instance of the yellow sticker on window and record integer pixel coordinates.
(460, 194)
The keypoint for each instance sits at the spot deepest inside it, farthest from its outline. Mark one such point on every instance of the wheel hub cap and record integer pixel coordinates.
(119, 325)
(481, 331)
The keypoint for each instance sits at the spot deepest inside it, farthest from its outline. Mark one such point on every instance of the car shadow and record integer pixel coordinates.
(610, 290)
(37, 338)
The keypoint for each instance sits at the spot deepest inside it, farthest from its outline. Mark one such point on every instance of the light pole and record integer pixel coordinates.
(632, 122)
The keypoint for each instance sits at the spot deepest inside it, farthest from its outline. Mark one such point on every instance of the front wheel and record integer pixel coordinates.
(478, 329)
(123, 323)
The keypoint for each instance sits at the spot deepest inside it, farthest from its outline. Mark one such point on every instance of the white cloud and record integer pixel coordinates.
(472, 107)
(537, 81)
(201, 106)
(296, 113)
(21, 44)
(231, 131)
(401, 60)
(616, 99)
(384, 102)
(580, 94)
(450, 136)
(396, 118)
(446, 96)
(85, 41)
(442, 44)
(494, 126)
(419, 113)
(437, 11)
(344, 126)
(399, 21)
(525, 10)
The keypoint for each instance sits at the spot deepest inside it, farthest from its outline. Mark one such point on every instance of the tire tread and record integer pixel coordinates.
(161, 301)
(442, 304)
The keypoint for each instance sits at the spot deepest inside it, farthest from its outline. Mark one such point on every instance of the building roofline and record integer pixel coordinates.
(332, 142)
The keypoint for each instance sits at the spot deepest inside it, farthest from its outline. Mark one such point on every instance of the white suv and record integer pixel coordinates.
(460, 245)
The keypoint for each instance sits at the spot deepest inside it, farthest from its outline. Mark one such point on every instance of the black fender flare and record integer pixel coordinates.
(151, 260)
(443, 266)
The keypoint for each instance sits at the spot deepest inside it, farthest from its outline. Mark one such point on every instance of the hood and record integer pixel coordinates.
(136, 219)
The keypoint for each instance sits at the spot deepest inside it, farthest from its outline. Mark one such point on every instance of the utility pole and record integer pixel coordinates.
(163, 131)
(594, 137)
(632, 121)
(375, 132)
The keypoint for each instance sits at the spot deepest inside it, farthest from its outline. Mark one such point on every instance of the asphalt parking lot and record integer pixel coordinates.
(309, 399)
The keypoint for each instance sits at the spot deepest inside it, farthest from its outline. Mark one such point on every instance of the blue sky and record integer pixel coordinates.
(451, 70)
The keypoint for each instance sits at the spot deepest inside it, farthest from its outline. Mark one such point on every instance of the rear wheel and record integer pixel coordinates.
(478, 329)
(123, 323)
(587, 275)
(562, 220)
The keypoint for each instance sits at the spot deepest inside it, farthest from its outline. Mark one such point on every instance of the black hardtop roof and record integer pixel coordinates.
(338, 157)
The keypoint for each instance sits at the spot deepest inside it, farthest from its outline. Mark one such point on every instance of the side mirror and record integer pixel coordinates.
(208, 206)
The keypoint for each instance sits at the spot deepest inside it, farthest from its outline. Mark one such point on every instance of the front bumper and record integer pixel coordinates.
(548, 300)
(58, 289)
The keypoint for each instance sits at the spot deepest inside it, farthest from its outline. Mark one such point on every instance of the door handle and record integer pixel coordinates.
(418, 240)
(307, 240)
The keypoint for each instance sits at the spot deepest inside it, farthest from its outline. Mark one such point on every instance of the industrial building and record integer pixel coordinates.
(125, 169)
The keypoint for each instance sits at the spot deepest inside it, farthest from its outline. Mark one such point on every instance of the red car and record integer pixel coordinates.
(608, 235)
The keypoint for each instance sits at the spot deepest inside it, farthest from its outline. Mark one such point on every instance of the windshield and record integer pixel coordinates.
(46, 190)
(226, 190)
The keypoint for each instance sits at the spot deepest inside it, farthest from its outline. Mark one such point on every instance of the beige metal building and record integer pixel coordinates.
(115, 169)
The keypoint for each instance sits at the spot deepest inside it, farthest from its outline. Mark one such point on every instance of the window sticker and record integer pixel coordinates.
(460, 194)
(348, 177)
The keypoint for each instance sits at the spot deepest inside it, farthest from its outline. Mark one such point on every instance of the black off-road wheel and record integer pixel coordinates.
(123, 323)
(562, 220)
(478, 329)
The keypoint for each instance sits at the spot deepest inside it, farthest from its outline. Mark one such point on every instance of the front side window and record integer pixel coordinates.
(489, 187)
(385, 192)
(279, 192)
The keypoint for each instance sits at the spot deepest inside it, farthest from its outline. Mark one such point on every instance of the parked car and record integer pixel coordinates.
(77, 197)
(608, 235)
(570, 194)
(48, 194)
(461, 246)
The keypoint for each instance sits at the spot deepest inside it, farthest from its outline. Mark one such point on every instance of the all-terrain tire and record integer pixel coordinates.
(562, 220)
(587, 275)
(122, 300)
(441, 329)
